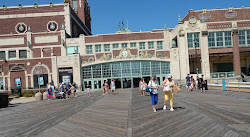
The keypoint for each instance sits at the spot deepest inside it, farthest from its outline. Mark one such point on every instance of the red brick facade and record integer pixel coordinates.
(219, 15)
(124, 37)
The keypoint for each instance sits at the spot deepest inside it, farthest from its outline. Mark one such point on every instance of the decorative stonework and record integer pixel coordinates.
(144, 54)
(21, 28)
(230, 13)
(105, 57)
(205, 15)
(124, 54)
(192, 23)
(160, 56)
(52, 26)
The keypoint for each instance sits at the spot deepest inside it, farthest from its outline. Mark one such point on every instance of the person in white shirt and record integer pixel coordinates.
(142, 86)
(153, 84)
(112, 86)
(168, 85)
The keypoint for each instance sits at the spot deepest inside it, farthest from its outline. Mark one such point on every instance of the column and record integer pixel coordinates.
(236, 53)
(77, 73)
(183, 55)
(205, 64)
(174, 63)
(54, 72)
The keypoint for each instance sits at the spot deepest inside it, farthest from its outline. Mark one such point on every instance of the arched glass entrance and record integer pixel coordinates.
(126, 73)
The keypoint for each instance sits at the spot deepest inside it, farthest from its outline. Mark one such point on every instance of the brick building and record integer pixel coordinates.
(55, 42)
(31, 35)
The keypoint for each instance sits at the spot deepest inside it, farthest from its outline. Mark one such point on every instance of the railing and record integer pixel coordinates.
(222, 74)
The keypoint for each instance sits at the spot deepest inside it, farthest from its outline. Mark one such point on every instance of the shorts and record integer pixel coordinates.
(188, 84)
(112, 88)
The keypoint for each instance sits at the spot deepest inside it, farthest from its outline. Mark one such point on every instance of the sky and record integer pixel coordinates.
(142, 15)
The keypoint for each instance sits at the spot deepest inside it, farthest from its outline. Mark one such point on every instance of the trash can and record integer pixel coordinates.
(224, 84)
(16, 91)
(206, 85)
(4, 100)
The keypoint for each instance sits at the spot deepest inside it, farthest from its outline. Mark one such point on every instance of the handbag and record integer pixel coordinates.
(176, 89)
(166, 89)
(149, 89)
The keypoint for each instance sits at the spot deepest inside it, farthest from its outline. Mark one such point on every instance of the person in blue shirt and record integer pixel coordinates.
(188, 83)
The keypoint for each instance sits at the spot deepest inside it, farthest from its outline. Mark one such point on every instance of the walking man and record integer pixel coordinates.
(188, 83)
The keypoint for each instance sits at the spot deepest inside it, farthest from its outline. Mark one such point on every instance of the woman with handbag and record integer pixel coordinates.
(168, 84)
(153, 84)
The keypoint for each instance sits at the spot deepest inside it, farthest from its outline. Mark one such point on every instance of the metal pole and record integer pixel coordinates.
(195, 45)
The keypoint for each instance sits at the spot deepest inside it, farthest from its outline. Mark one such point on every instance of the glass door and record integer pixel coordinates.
(1, 84)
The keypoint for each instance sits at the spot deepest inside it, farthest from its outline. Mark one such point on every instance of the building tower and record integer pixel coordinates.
(82, 9)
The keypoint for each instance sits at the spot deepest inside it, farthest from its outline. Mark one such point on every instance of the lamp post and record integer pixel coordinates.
(195, 45)
(39, 79)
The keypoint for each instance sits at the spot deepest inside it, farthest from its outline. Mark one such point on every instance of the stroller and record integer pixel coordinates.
(60, 95)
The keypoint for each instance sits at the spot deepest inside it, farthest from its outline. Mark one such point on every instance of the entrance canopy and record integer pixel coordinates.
(124, 71)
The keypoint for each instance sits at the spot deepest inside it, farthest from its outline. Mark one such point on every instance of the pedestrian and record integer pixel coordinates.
(197, 82)
(68, 90)
(106, 87)
(74, 87)
(192, 83)
(88, 90)
(112, 86)
(202, 84)
(168, 84)
(50, 92)
(153, 84)
(142, 85)
(188, 83)
(103, 89)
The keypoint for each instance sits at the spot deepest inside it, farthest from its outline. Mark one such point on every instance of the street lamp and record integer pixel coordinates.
(195, 45)
(39, 79)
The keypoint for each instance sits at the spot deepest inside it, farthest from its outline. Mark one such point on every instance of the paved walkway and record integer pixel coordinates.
(214, 113)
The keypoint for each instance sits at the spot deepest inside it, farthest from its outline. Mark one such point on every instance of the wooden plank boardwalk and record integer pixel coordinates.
(196, 114)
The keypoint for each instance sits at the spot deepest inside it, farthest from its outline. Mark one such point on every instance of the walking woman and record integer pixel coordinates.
(192, 83)
(142, 86)
(112, 86)
(106, 87)
(202, 84)
(154, 93)
(168, 84)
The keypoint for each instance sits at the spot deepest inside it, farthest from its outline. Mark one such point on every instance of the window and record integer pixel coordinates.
(12, 54)
(159, 45)
(151, 45)
(191, 37)
(22, 54)
(2, 55)
(219, 39)
(244, 37)
(142, 45)
(228, 38)
(211, 39)
(124, 45)
(72, 50)
(75, 5)
(133, 45)
(89, 49)
(115, 46)
(106, 47)
(98, 48)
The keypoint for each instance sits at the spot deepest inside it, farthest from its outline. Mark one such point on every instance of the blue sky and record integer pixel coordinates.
(144, 15)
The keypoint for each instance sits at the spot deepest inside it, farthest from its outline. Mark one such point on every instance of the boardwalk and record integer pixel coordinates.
(196, 114)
